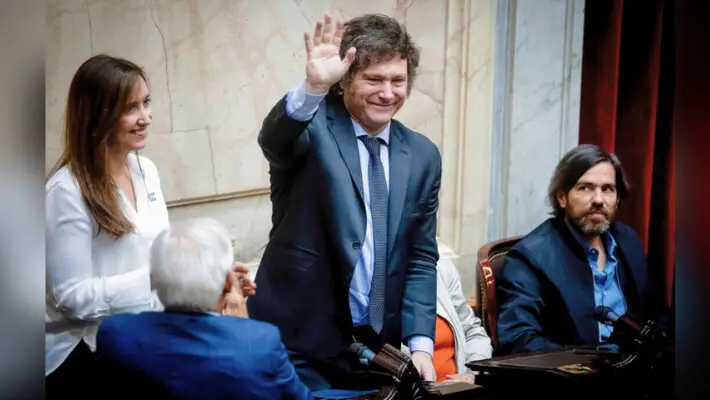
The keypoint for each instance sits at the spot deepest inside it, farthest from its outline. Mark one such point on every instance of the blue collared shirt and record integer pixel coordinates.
(607, 289)
(301, 106)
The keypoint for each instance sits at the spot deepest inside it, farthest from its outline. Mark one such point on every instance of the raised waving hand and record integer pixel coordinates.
(324, 67)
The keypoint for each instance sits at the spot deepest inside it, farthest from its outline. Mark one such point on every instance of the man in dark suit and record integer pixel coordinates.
(203, 346)
(556, 276)
(352, 252)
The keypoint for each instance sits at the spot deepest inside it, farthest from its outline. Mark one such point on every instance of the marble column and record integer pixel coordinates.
(468, 104)
(536, 95)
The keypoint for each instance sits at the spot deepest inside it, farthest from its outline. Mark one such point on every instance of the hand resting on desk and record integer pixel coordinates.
(465, 377)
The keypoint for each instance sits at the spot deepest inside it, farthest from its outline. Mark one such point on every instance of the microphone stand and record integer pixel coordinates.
(399, 377)
(407, 384)
(643, 363)
(643, 345)
(643, 350)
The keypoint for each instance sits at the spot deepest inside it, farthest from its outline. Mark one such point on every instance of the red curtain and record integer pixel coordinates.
(627, 108)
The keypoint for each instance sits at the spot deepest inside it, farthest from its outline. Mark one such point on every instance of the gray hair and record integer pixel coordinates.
(189, 263)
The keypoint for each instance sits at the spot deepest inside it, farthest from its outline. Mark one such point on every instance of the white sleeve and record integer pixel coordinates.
(70, 281)
(478, 343)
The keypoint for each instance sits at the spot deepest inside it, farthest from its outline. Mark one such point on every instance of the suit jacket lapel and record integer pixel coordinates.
(632, 262)
(578, 289)
(341, 127)
(399, 154)
(574, 279)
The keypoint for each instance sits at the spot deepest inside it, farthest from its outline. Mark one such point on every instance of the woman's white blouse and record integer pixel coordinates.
(91, 276)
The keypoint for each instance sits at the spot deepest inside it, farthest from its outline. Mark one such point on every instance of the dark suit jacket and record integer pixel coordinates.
(546, 289)
(195, 356)
(319, 227)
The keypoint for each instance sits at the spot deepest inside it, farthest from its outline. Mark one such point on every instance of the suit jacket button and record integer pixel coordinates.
(356, 245)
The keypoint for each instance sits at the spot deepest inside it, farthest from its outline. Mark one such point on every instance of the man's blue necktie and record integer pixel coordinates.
(379, 204)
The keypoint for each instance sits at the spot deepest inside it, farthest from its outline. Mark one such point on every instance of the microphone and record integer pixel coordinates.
(643, 344)
(607, 316)
(363, 353)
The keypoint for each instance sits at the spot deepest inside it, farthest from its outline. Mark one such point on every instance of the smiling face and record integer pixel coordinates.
(132, 125)
(376, 93)
(592, 202)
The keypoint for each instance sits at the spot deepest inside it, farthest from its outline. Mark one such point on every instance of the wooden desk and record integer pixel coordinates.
(568, 374)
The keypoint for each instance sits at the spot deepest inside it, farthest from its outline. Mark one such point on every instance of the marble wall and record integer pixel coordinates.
(467, 123)
(217, 67)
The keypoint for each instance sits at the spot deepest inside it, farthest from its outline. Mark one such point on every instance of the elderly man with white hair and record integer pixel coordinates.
(203, 346)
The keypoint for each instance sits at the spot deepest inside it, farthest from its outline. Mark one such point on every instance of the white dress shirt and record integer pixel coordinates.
(92, 276)
(302, 106)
